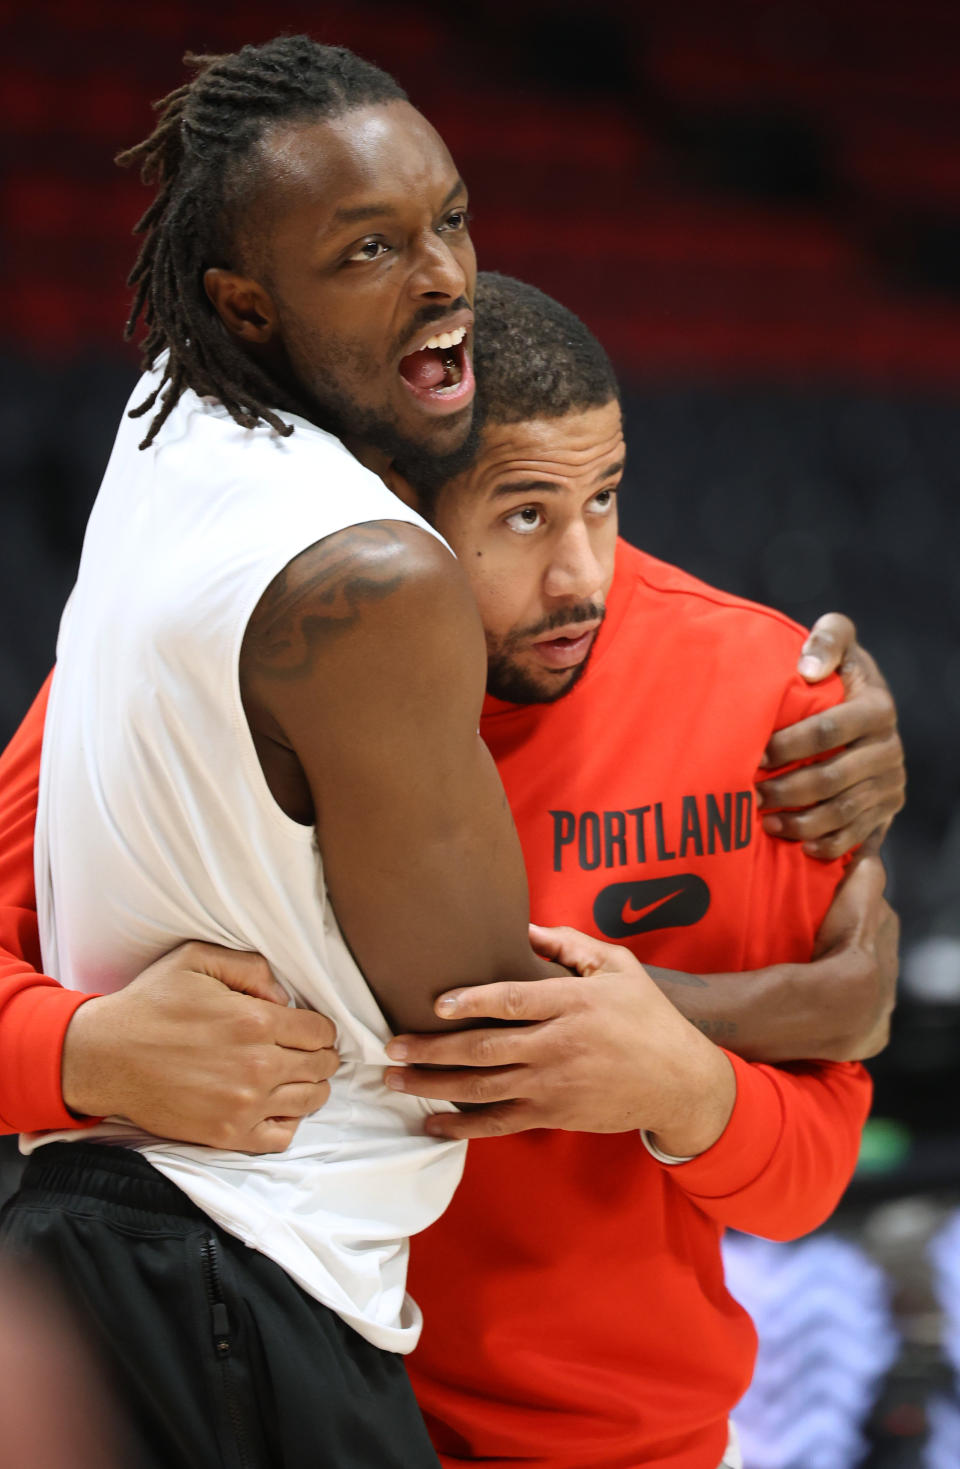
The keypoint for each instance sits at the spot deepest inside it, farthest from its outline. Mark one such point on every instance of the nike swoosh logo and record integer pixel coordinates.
(631, 914)
(623, 909)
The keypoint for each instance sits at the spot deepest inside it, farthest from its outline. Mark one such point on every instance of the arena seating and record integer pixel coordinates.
(715, 188)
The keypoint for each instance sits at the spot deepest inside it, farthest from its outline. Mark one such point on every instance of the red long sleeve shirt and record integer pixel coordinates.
(573, 1298)
(34, 1010)
(573, 1293)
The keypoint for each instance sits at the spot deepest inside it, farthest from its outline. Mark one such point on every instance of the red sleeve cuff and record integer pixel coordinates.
(35, 1022)
(745, 1147)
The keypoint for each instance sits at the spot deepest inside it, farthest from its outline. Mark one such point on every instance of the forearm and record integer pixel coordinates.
(778, 1014)
(836, 1007)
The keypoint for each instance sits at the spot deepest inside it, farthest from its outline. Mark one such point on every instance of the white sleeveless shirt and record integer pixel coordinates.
(156, 825)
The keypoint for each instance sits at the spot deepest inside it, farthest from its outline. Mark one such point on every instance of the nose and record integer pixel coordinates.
(574, 572)
(441, 271)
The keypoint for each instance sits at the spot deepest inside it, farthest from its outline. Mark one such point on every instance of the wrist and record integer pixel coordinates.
(702, 1113)
(85, 1065)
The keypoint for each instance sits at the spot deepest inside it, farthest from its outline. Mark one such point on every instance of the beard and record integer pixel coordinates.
(351, 423)
(319, 365)
(428, 472)
(510, 681)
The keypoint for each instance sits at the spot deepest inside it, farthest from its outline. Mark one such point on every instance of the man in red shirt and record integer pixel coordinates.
(712, 822)
(573, 1296)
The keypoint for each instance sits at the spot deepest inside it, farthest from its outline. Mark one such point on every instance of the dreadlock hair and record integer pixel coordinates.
(202, 158)
(532, 359)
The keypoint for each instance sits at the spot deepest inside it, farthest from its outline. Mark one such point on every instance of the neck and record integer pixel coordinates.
(375, 459)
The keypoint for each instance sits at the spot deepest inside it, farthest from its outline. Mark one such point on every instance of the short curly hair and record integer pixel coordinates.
(533, 358)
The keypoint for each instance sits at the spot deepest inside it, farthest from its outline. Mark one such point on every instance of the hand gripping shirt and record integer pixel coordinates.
(577, 1310)
(155, 824)
(573, 1293)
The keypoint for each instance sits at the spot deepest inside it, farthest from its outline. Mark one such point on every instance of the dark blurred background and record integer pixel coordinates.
(756, 205)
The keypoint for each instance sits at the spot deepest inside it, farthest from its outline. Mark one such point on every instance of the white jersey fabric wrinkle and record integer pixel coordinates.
(156, 824)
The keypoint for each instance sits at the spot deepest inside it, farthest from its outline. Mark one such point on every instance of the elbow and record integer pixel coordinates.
(865, 1031)
(865, 1040)
(801, 1221)
(799, 1224)
(875, 1042)
(859, 1045)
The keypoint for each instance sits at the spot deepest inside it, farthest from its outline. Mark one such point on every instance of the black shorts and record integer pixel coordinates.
(215, 1357)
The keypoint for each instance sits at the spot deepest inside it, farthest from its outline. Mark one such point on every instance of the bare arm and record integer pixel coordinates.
(836, 1008)
(770, 1149)
(606, 1050)
(365, 660)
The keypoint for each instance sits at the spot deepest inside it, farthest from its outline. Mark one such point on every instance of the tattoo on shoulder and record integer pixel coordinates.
(320, 595)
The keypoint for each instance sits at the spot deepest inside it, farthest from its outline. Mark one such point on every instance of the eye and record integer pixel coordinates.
(528, 518)
(457, 222)
(369, 250)
(603, 501)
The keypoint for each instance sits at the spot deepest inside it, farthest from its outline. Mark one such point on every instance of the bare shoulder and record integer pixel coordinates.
(374, 579)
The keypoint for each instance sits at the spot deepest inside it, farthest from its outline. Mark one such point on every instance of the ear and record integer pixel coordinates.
(245, 308)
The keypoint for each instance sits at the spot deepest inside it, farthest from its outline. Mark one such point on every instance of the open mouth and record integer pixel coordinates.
(440, 374)
(565, 652)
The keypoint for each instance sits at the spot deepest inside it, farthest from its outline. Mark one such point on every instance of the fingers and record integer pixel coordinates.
(838, 843)
(288, 1103)
(299, 1099)
(866, 714)
(272, 1135)
(304, 1030)
(832, 828)
(859, 671)
(246, 973)
(249, 1022)
(259, 1113)
(497, 1121)
(578, 951)
(536, 999)
(288, 1065)
(831, 639)
(506, 1046)
(813, 783)
(496, 1084)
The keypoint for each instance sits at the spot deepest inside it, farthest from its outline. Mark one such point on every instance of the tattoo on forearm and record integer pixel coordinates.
(717, 1030)
(319, 596)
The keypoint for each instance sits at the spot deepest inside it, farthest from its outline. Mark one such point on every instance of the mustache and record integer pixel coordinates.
(426, 316)
(583, 612)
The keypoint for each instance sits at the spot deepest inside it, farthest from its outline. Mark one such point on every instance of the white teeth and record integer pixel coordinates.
(445, 340)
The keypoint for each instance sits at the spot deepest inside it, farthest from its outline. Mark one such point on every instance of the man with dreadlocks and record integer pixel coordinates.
(541, 1257)
(282, 646)
(267, 659)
